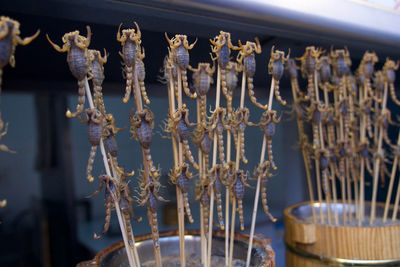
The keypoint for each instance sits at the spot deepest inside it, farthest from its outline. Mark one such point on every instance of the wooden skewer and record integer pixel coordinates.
(362, 97)
(210, 222)
(334, 193)
(131, 260)
(178, 190)
(392, 176)
(262, 157)
(305, 155)
(232, 237)
(377, 160)
(228, 159)
(139, 107)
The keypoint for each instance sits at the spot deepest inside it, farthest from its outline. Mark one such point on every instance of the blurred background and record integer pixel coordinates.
(48, 220)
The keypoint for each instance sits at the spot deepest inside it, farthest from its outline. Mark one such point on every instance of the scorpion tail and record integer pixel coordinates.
(264, 200)
(188, 154)
(81, 100)
(278, 95)
(270, 154)
(186, 85)
(154, 228)
(253, 99)
(129, 80)
(219, 210)
(89, 167)
(143, 92)
(107, 221)
(241, 218)
(187, 207)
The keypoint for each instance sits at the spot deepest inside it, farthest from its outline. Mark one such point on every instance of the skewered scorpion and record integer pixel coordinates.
(9, 39)
(316, 112)
(308, 66)
(389, 73)
(109, 132)
(179, 49)
(216, 180)
(231, 79)
(219, 124)
(238, 185)
(276, 68)
(247, 59)
(149, 195)
(180, 176)
(94, 119)
(178, 124)
(142, 124)
(202, 79)
(367, 69)
(131, 52)
(385, 120)
(203, 195)
(291, 70)
(267, 123)
(78, 59)
(110, 193)
(364, 150)
(203, 138)
(96, 74)
(263, 172)
(240, 121)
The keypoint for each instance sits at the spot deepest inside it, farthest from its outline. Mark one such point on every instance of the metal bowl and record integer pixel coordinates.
(115, 255)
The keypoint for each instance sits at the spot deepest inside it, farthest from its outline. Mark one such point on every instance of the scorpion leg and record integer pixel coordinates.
(81, 101)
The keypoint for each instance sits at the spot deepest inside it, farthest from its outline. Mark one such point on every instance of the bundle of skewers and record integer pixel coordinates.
(348, 117)
(215, 174)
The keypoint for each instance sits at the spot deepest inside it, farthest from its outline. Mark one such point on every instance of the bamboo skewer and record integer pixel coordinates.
(377, 160)
(237, 164)
(181, 214)
(392, 176)
(210, 222)
(305, 155)
(362, 97)
(139, 107)
(131, 259)
(256, 198)
(228, 159)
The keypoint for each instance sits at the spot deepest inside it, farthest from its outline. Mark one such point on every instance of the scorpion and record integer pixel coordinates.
(109, 132)
(94, 119)
(291, 68)
(230, 83)
(276, 68)
(367, 69)
(9, 39)
(262, 171)
(110, 193)
(364, 150)
(221, 47)
(238, 185)
(247, 59)
(202, 78)
(96, 74)
(384, 120)
(78, 59)
(216, 181)
(149, 195)
(308, 66)
(341, 61)
(131, 53)
(203, 138)
(316, 113)
(180, 176)
(366, 109)
(267, 123)
(323, 157)
(389, 73)
(219, 124)
(324, 67)
(203, 195)
(178, 125)
(239, 122)
(180, 51)
(142, 124)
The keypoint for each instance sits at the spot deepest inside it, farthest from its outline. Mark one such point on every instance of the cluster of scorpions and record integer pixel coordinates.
(346, 117)
(211, 128)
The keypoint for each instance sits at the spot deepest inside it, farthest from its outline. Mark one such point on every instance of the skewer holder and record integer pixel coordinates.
(312, 245)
